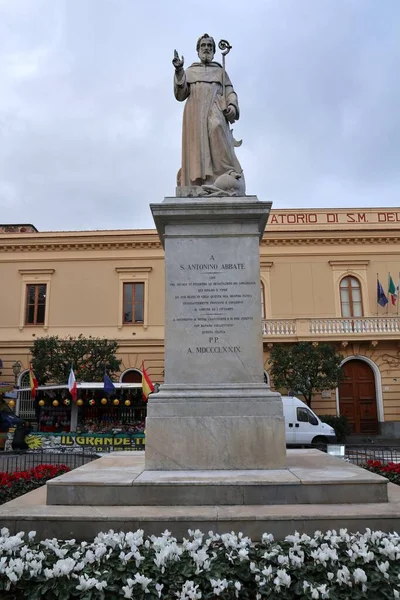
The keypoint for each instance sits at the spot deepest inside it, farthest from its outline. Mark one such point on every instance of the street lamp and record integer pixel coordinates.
(16, 370)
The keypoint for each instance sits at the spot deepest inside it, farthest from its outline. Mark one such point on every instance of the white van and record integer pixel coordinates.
(303, 426)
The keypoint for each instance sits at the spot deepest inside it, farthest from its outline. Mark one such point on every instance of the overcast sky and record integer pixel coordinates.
(90, 132)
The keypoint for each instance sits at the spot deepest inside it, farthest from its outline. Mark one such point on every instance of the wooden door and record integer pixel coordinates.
(357, 397)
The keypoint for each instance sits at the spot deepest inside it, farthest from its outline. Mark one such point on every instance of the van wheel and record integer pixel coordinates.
(319, 443)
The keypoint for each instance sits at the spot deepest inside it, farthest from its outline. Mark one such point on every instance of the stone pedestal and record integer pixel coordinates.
(214, 410)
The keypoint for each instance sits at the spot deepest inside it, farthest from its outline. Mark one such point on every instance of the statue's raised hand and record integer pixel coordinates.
(177, 62)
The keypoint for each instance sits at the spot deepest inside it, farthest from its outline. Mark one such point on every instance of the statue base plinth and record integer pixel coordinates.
(196, 191)
(211, 427)
(214, 411)
(189, 191)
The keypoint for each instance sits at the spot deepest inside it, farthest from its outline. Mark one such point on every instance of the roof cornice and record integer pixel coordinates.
(57, 244)
(136, 240)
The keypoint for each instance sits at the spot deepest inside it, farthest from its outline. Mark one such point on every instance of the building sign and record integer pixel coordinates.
(100, 442)
(123, 440)
(353, 218)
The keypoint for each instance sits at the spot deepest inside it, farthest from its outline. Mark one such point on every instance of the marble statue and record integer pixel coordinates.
(209, 163)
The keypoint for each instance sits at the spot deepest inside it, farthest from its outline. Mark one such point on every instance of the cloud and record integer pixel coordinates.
(90, 131)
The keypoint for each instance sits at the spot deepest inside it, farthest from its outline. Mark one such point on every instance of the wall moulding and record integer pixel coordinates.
(328, 241)
(33, 272)
(133, 269)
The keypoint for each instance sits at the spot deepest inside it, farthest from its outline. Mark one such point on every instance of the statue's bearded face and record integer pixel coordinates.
(206, 50)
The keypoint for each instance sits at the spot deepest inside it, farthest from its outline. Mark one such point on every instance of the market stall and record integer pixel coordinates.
(93, 412)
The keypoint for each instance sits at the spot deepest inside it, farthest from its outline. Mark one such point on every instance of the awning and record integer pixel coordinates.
(6, 387)
(97, 385)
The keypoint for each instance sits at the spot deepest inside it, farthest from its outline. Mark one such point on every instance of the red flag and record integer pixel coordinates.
(147, 386)
(33, 382)
(73, 390)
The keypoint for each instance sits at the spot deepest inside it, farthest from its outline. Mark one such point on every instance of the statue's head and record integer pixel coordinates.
(205, 48)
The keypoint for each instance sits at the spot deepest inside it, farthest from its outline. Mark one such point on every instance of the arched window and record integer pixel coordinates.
(262, 301)
(131, 376)
(350, 297)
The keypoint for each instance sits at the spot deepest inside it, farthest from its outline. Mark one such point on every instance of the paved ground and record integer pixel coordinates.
(374, 440)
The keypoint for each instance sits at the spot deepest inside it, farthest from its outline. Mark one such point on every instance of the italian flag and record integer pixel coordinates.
(73, 390)
(33, 382)
(393, 291)
(147, 386)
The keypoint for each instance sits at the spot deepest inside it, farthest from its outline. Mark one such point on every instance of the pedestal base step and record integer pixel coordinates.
(311, 477)
(84, 522)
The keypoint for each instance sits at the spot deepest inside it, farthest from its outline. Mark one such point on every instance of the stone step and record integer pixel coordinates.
(311, 477)
(84, 522)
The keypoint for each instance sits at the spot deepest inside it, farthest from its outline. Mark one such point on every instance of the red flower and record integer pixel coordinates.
(20, 482)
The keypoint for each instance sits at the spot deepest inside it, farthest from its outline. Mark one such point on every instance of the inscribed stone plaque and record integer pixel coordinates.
(213, 310)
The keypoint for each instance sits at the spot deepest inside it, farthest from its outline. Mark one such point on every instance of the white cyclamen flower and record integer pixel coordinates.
(218, 585)
(323, 591)
(267, 572)
(63, 567)
(283, 559)
(359, 576)
(128, 591)
(383, 567)
(11, 575)
(189, 591)
(48, 573)
(343, 576)
(87, 583)
(143, 581)
(282, 579)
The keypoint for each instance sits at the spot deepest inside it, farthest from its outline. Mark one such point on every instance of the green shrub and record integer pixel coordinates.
(340, 424)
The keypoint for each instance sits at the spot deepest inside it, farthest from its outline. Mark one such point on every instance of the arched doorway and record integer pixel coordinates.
(357, 397)
(138, 407)
(25, 407)
(131, 376)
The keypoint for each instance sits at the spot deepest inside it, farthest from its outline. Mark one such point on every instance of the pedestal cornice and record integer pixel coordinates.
(243, 209)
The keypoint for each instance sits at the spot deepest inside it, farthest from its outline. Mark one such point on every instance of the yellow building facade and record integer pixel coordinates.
(319, 271)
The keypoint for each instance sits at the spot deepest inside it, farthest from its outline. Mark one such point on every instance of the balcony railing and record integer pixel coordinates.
(279, 327)
(358, 325)
(306, 328)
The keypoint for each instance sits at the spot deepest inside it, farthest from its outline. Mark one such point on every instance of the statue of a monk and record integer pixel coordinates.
(209, 164)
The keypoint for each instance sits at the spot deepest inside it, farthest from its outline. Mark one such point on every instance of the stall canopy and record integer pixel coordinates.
(6, 387)
(96, 385)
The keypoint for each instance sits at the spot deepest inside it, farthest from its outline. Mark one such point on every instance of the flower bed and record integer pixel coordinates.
(15, 484)
(389, 470)
(118, 565)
